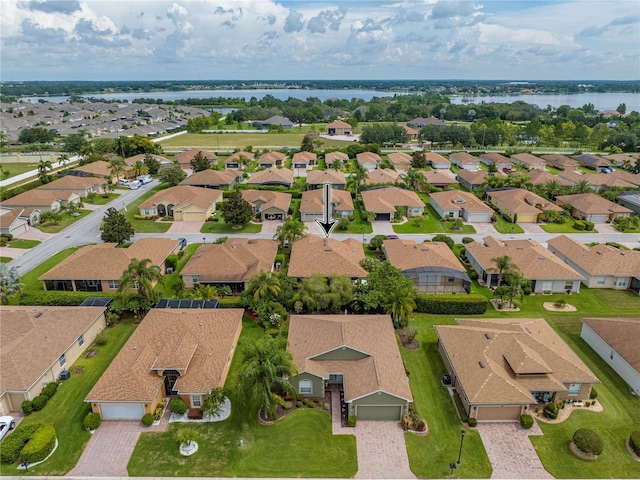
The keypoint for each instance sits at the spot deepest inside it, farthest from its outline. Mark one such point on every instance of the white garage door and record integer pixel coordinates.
(122, 411)
(310, 217)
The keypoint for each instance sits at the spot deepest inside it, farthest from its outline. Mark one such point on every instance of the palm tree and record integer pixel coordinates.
(552, 188)
(44, 167)
(63, 159)
(264, 284)
(117, 167)
(204, 292)
(504, 264)
(415, 179)
(337, 165)
(581, 187)
(291, 230)
(141, 274)
(516, 282)
(399, 303)
(9, 283)
(267, 364)
(139, 168)
(358, 174)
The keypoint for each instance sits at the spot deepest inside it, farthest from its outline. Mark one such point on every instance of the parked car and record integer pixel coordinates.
(123, 182)
(6, 423)
(605, 169)
(182, 242)
(136, 184)
(392, 237)
(144, 179)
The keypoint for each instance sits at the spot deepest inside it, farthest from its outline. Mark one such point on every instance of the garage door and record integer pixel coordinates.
(310, 217)
(499, 414)
(383, 216)
(122, 411)
(377, 412)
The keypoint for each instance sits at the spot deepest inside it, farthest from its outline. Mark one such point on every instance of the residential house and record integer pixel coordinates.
(216, 179)
(83, 186)
(357, 354)
(400, 160)
(595, 180)
(464, 161)
(542, 177)
(37, 344)
(437, 179)
(338, 127)
(631, 200)
(42, 200)
(317, 178)
(183, 203)
(272, 159)
(141, 156)
(501, 162)
(12, 221)
(232, 263)
(184, 158)
(98, 268)
(312, 205)
(330, 157)
(412, 134)
(327, 257)
(381, 176)
(546, 272)
(592, 207)
(503, 368)
(520, 205)
(269, 204)
(275, 121)
(304, 160)
(619, 159)
(632, 178)
(386, 200)
(602, 266)
(591, 161)
(437, 161)
(471, 180)
(420, 122)
(100, 169)
(235, 160)
(530, 162)
(369, 160)
(561, 162)
(432, 267)
(184, 352)
(459, 204)
(616, 341)
(272, 176)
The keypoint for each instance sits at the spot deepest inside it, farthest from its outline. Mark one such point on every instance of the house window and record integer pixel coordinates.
(305, 387)
(195, 401)
(146, 212)
(600, 281)
(574, 388)
(451, 279)
(622, 282)
(547, 285)
(62, 360)
(114, 284)
(81, 340)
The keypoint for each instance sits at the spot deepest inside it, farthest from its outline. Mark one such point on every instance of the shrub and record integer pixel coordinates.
(352, 420)
(102, 338)
(147, 419)
(589, 226)
(526, 421)
(560, 303)
(473, 422)
(13, 444)
(449, 304)
(186, 436)
(50, 389)
(92, 421)
(178, 406)
(593, 394)
(26, 407)
(420, 426)
(634, 442)
(588, 441)
(444, 238)
(473, 275)
(298, 404)
(579, 225)
(466, 240)
(406, 422)
(305, 402)
(287, 405)
(551, 411)
(526, 289)
(319, 403)
(312, 404)
(40, 445)
(171, 261)
(39, 402)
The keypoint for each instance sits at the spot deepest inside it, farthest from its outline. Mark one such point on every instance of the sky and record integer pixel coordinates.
(297, 40)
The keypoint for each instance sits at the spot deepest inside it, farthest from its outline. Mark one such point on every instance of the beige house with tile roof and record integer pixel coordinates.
(304, 160)
(596, 180)
(632, 178)
(616, 341)
(400, 160)
(602, 266)
(269, 204)
(500, 161)
(326, 256)
(531, 162)
(435, 160)
(172, 352)
(381, 176)
(520, 205)
(183, 203)
(83, 186)
(317, 178)
(312, 205)
(12, 222)
(98, 268)
(355, 353)
(561, 162)
(437, 179)
(619, 159)
(431, 266)
(384, 202)
(234, 161)
(338, 127)
(592, 207)
(141, 156)
(184, 158)
(502, 368)
(272, 159)
(272, 176)
(546, 272)
(412, 133)
(465, 205)
(471, 180)
(369, 160)
(218, 179)
(98, 169)
(232, 263)
(331, 156)
(465, 161)
(541, 177)
(37, 343)
(43, 200)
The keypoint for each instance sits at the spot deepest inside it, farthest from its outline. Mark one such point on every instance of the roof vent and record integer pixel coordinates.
(481, 363)
(527, 329)
(487, 335)
(37, 315)
(458, 200)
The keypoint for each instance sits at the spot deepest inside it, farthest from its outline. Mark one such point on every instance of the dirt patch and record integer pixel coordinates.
(551, 306)
(91, 353)
(630, 450)
(78, 371)
(237, 227)
(580, 454)
(406, 338)
(505, 306)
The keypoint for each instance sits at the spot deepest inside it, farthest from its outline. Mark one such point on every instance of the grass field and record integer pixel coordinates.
(221, 227)
(67, 219)
(5, 259)
(566, 227)
(241, 140)
(431, 224)
(101, 199)
(502, 226)
(15, 168)
(23, 243)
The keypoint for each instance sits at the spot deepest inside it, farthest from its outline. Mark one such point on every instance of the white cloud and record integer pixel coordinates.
(496, 34)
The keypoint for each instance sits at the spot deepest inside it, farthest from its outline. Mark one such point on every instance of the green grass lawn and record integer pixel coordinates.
(293, 138)
(66, 410)
(502, 226)
(552, 170)
(222, 227)
(15, 168)
(358, 225)
(166, 288)
(101, 199)
(431, 224)
(565, 227)
(67, 219)
(145, 226)
(23, 243)
(5, 259)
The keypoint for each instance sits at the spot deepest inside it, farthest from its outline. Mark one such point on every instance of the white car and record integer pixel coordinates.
(6, 423)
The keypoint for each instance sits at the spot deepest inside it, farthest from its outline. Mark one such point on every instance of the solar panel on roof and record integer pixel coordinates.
(96, 302)
(187, 303)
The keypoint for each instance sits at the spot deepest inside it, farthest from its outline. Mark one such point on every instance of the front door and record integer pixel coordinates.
(170, 379)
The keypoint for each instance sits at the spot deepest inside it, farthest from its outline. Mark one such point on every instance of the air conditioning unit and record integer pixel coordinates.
(65, 375)
(169, 270)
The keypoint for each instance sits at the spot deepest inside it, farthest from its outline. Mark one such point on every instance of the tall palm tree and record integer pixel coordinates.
(266, 365)
(139, 168)
(264, 284)
(117, 167)
(63, 159)
(337, 165)
(44, 167)
(291, 230)
(415, 179)
(581, 187)
(9, 283)
(141, 274)
(516, 282)
(204, 292)
(552, 188)
(399, 303)
(504, 265)
(359, 173)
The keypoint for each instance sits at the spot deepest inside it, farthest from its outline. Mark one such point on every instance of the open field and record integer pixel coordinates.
(215, 141)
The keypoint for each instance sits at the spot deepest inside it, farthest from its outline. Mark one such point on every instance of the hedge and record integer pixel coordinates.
(147, 419)
(27, 407)
(551, 411)
(15, 442)
(230, 302)
(473, 422)
(40, 445)
(588, 441)
(451, 304)
(92, 421)
(579, 225)
(526, 421)
(352, 420)
(177, 406)
(59, 299)
(50, 390)
(39, 402)
(634, 442)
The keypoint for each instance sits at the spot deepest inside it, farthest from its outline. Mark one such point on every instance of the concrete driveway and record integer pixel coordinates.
(185, 227)
(382, 451)
(382, 227)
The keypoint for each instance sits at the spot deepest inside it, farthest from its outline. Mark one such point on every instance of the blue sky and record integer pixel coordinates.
(366, 39)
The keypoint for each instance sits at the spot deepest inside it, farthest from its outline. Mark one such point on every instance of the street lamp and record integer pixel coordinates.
(452, 466)
(362, 232)
(204, 239)
(461, 440)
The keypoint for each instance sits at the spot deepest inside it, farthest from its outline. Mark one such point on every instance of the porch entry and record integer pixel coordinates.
(170, 379)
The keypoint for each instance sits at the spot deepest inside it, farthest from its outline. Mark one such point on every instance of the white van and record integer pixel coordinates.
(135, 184)
(144, 179)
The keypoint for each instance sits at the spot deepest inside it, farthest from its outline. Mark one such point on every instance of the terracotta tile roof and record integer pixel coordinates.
(464, 158)
(271, 175)
(559, 160)
(458, 199)
(599, 259)
(406, 254)
(29, 345)
(495, 157)
(212, 177)
(532, 259)
(312, 201)
(331, 156)
(338, 124)
(527, 159)
(474, 178)
(591, 203)
(381, 369)
(386, 199)
(368, 157)
(540, 177)
(97, 169)
(436, 158)
(591, 160)
(71, 182)
(268, 199)
(304, 157)
(326, 256)
(183, 195)
(333, 177)
(436, 178)
(236, 156)
(185, 157)
(410, 131)
(519, 200)
(381, 175)
(400, 159)
(272, 157)
(105, 262)
(236, 260)
(166, 336)
(38, 198)
(621, 334)
(509, 349)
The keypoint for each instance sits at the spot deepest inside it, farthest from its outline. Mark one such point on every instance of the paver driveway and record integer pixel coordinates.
(510, 451)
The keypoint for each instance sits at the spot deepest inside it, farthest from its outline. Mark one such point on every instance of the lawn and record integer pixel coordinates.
(502, 226)
(5, 259)
(358, 225)
(292, 138)
(23, 243)
(67, 219)
(145, 226)
(565, 227)
(166, 288)
(15, 168)
(222, 227)
(552, 170)
(66, 410)
(101, 199)
(431, 224)
(300, 445)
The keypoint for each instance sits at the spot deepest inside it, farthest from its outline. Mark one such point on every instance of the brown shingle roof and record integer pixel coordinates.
(596, 179)
(436, 178)
(183, 195)
(333, 177)
(527, 159)
(212, 177)
(71, 182)
(331, 156)
(210, 335)
(435, 158)
(368, 157)
(406, 254)
(519, 200)
(459, 199)
(270, 175)
(383, 200)
(97, 169)
(38, 198)
(540, 177)
(464, 158)
(272, 157)
(591, 203)
(621, 334)
(268, 199)
(304, 157)
(474, 178)
(560, 160)
(184, 158)
(400, 159)
(381, 175)
(326, 256)
(236, 260)
(380, 370)
(312, 201)
(338, 124)
(10, 216)
(495, 157)
(236, 156)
